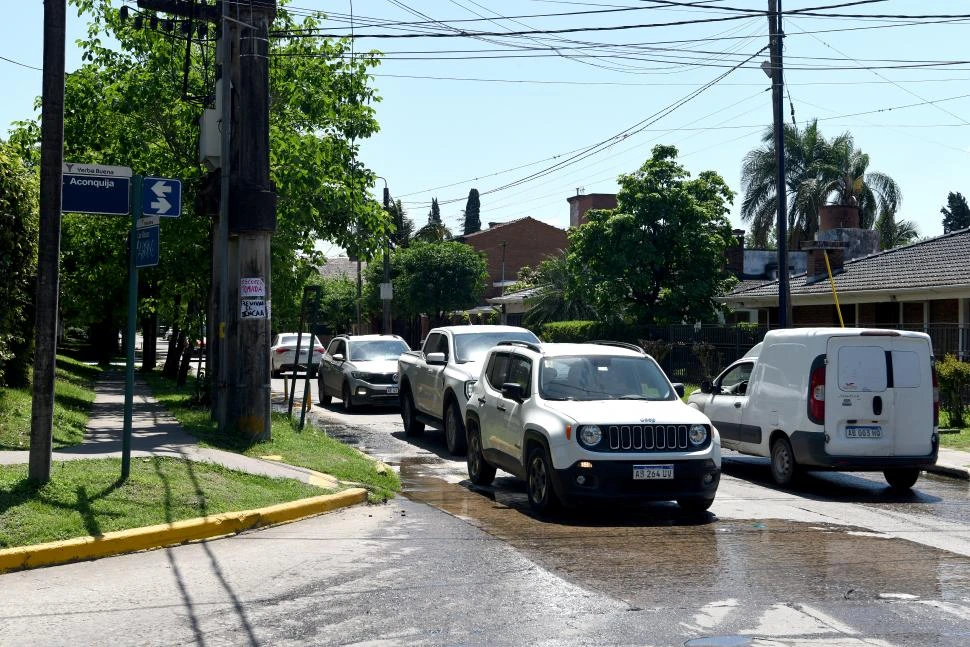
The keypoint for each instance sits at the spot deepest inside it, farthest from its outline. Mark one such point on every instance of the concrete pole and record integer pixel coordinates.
(777, 101)
(49, 249)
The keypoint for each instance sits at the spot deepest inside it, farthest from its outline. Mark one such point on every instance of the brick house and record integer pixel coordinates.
(510, 246)
(580, 203)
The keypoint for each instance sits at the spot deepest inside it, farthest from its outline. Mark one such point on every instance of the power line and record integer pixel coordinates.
(29, 67)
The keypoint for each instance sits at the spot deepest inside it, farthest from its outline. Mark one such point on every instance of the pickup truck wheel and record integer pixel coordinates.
(783, 466)
(348, 400)
(412, 427)
(480, 472)
(323, 398)
(454, 430)
(538, 479)
(695, 503)
(901, 478)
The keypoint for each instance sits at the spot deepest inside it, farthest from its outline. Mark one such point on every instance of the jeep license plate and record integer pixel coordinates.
(392, 390)
(859, 431)
(652, 472)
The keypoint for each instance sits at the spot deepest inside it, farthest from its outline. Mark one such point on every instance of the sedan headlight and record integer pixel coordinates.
(590, 435)
(697, 434)
(469, 386)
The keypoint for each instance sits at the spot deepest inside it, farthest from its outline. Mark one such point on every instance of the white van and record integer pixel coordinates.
(850, 399)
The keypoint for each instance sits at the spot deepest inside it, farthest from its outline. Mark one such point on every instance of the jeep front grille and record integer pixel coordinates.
(646, 438)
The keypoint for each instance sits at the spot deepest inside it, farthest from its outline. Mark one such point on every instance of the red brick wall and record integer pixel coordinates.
(823, 315)
(580, 204)
(527, 243)
(944, 311)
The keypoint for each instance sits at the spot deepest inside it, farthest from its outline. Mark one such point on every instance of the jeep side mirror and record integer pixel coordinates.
(707, 387)
(512, 391)
(679, 388)
(436, 359)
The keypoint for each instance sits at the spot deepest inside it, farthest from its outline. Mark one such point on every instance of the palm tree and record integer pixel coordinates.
(895, 234)
(816, 172)
(557, 297)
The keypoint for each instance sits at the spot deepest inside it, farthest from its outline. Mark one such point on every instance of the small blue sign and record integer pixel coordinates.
(161, 197)
(94, 194)
(146, 246)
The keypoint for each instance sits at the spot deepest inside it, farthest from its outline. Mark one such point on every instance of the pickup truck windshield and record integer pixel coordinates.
(472, 347)
(368, 351)
(603, 378)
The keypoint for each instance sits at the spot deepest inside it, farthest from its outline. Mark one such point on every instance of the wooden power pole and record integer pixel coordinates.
(781, 187)
(49, 249)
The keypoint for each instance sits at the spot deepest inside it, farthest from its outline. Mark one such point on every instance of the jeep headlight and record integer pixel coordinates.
(469, 385)
(697, 434)
(590, 435)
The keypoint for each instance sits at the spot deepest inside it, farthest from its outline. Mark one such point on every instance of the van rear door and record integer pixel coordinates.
(912, 384)
(860, 409)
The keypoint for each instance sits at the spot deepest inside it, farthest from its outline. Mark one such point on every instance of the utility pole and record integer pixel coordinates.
(386, 294)
(220, 243)
(777, 101)
(49, 247)
(252, 221)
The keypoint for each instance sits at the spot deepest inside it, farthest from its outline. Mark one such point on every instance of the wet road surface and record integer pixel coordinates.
(837, 555)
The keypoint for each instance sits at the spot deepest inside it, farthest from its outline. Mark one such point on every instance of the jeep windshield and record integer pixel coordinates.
(471, 347)
(599, 377)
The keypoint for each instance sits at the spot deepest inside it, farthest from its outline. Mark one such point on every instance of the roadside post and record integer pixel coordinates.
(314, 293)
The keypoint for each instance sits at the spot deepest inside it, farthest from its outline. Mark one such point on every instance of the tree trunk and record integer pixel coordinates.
(175, 339)
(184, 365)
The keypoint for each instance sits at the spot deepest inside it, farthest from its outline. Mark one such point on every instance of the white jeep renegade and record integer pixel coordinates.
(589, 421)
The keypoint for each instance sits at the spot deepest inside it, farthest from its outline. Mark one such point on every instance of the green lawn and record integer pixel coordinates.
(311, 448)
(73, 395)
(954, 441)
(85, 498)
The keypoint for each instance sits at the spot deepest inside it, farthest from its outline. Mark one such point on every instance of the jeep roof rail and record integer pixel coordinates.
(524, 344)
(618, 344)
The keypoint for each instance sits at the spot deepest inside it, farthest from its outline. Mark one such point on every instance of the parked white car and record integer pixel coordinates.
(589, 421)
(282, 352)
(361, 369)
(831, 398)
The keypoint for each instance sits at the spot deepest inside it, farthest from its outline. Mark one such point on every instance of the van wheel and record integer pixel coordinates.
(538, 478)
(695, 503)
(412, 427)
(480, 472)
(783, 466)
(901, 478)
(454, 430)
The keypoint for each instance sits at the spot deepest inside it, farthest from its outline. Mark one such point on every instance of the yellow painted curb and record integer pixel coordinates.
(172, 534)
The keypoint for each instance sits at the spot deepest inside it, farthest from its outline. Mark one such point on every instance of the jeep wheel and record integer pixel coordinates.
(783, 466)
(538, 478)
(454, 430)
(695, 503)
(348, 400)
(901, 478)
(323, 398)
(480, 472)
(412, 427)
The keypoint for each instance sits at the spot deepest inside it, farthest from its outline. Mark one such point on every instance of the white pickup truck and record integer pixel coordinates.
(436, 380)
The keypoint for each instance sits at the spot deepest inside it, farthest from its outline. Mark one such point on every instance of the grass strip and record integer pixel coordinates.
(84, 497)
(311, 448)
(73, 396)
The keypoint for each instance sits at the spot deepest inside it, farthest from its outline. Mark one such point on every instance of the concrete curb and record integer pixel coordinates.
(172, 534)
(951, 471)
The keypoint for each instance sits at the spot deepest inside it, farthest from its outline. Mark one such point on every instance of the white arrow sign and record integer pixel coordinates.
(161, 189)
(161, 197)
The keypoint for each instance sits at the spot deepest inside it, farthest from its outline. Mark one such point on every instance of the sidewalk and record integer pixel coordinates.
(155, 433)
(953, 463)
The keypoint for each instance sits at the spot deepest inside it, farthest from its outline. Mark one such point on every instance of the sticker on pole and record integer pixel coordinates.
(252, 287)
(253, 309)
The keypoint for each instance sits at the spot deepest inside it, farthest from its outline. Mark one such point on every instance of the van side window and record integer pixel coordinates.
(862, 368)
(906, 373)
(735, 381)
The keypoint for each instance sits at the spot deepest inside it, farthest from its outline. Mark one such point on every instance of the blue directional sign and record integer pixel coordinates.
(146, 246)
(94, 194)
(161, 197)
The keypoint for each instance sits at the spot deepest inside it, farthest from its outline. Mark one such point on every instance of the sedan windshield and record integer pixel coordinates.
(368, 351)
(472, 347)
(603, 378)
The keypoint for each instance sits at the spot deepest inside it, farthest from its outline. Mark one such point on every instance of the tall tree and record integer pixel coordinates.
(435, 231)
(18, 261)
(556, 296)
(659, 256)
(817, 172)
(895, 234)
(473, 221)
(956, 213)
(403, 226)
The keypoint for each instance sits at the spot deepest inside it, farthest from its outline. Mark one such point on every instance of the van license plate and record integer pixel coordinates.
(870, 431)
(652, 472)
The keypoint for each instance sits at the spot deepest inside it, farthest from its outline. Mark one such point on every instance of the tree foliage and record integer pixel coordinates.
(659, 256)
(435, 231)
(473, 206)
(556, 295)
(817, 172)
(403, 226)
(893, 233)
(18, 262)
(956, 213)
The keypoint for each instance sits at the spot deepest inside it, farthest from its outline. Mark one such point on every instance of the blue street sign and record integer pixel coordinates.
(146, 246)
(161, 197)
(94, 194)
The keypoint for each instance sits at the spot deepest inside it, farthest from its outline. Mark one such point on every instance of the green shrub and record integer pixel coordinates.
(954, 377)
(570, 331)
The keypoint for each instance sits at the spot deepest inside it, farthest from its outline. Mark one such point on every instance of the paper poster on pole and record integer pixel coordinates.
(253, 309)
(252, 287)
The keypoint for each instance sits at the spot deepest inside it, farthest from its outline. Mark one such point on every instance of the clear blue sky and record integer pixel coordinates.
(482, 112)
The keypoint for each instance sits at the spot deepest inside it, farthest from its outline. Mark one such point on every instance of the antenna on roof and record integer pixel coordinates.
(580, 190)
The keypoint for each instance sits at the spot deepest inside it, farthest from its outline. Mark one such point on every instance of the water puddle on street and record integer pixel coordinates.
(655, 556)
